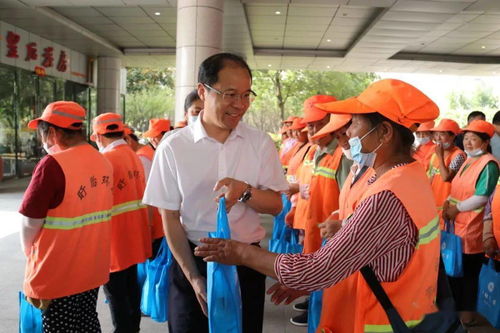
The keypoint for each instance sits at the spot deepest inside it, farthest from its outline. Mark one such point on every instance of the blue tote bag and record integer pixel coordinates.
(223, 288)
(451, 251)
(314, 311)
(154, 298)
(30, 318)
(488, 302)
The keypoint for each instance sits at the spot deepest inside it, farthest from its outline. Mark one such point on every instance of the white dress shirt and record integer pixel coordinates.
(188, 164)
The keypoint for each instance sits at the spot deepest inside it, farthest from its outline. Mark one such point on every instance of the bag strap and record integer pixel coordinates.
(449, 226)
(397, 323)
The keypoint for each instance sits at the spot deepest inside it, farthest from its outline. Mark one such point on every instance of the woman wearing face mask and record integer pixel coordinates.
(445, 161)
(424, 144)
(393, 229)
(473, 184)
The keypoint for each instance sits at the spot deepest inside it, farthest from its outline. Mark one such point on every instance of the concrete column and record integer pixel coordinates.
(108, 84)
(199, 35)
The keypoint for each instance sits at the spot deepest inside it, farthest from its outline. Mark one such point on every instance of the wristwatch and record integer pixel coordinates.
(247, 194)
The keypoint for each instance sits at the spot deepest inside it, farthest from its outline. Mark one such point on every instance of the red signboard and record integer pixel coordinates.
(12, 40)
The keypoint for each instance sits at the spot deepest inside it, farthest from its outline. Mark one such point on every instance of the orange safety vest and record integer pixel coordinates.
(296, 161)
(495, 212)
(440, 188)
(146, 151)
(71, 253)
(156, 226)
(469, 225)
(424, 152)
(324, 198)
(304, 176)
(334, 307)
(130, 230)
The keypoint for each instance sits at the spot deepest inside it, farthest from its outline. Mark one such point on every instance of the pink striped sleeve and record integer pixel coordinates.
(379, 233)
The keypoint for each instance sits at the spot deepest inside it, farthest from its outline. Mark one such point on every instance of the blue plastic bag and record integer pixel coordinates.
(223, 288)
(154, 298)
(142, 272)
(284, 239)
(30, 318)
(451, 251)
(314, 311)
(488, 300)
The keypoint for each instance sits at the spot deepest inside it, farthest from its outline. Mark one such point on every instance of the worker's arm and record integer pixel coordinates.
(179, 246)
(446, 174)
(30, 229)
(262, 201)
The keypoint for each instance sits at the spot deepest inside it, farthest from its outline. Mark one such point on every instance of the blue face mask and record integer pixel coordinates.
(360, 158)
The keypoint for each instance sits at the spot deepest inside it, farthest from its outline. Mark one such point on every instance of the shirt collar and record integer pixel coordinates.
(199, 131)
(114, 144)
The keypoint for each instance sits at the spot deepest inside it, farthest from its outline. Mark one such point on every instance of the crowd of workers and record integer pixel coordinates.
(371, 179)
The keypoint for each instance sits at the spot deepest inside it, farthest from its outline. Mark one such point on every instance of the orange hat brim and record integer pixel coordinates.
(347, 106)
(336, 122)
(152, 133)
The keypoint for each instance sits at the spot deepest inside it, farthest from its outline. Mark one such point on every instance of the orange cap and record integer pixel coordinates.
(62, 114)
(312, 112)
(128, 130)
(394, 99)
(180, 124)
(337, 121)
(481, 126)
(447, 125)
(156, 127)
(426, 127)
(289, 119)
(297, 124)
(101, 124)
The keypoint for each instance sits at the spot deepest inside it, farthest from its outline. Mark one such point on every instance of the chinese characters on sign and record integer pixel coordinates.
(47, 54)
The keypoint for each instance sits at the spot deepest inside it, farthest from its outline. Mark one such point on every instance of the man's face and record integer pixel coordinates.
(315, 126)
(225, 113)
(195, 108)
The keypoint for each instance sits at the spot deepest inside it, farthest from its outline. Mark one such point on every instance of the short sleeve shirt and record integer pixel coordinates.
(46, 189)
(188, 164)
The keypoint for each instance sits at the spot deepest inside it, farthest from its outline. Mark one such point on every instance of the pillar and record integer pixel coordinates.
(108, 84)
(199, 35)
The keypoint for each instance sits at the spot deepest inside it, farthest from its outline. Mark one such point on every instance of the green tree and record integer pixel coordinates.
(281, 93)
(461, 103)
(139, 79)
(149, 103)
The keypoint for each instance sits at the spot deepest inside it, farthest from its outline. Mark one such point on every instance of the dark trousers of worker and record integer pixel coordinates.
(185, 314)
(74, 313)
(124, 297)
(465, 288)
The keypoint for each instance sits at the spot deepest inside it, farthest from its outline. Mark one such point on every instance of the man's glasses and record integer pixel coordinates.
(232, 97)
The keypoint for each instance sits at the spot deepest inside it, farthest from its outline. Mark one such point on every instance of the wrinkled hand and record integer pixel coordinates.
(280, 293)
(450, 212)
(42, 304)
(292, 189)
(491, 247)
(289, 217)
(329, 228)
(235, 189)
(224, 251)
(439, 150)
(199, 285)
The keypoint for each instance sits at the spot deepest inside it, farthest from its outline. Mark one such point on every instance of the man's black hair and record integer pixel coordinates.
(113, 135)
(496, 118)
(210, 67)
(475, 114)
(43, 127)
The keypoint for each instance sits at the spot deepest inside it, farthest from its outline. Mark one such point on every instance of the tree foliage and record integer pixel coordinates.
(140, 79)
(149, 103)
(481, 98)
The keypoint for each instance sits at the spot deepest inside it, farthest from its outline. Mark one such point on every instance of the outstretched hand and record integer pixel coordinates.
(279, 293)
(224, 251)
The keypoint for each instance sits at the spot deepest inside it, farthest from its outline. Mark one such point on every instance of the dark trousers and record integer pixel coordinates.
(124, 296)
(465, 288)
(74, 313)
(185, 314)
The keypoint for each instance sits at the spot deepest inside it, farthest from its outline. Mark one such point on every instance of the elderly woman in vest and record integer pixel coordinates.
(393, 229)
(445, 161)
(473, 184)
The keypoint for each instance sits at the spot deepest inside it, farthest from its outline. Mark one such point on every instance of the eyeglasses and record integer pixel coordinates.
(231, 97)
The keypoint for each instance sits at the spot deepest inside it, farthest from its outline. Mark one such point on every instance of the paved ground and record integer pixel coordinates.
(12, 269)
(276, 319)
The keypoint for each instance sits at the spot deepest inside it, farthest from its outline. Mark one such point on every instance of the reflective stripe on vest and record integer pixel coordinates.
(388, 328)
(432, 171)
(67, 223)
(428, 233)
(127, 207)
(325, 172)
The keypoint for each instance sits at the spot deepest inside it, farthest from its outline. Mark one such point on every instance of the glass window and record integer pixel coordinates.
(7, 123)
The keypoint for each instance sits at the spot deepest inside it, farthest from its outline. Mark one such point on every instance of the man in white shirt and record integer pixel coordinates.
(216, 155)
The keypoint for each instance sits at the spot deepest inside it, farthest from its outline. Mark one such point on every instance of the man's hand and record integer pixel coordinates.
(330, 227)
(281, 293)
(491, 248)
(235, 189)
(224, 251)
(199, 285)
(289, 217)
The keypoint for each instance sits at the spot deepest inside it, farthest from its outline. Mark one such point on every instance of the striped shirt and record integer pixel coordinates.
(380, 233)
